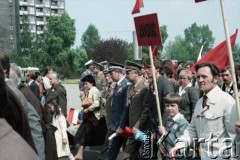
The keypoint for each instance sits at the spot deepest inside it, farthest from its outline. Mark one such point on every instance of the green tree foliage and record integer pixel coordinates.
(113, 49)
(90, 38)
(236, 54)
(176, 49)
(195, 37)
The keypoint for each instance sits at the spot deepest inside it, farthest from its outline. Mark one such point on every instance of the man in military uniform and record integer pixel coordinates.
(118, 106)
(99, 76)
(137, 95)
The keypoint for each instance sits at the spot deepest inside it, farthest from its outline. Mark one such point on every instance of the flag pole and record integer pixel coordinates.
(155, 87)
(230, 57)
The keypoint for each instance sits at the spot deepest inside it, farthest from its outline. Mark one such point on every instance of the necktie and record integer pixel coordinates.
(204, 102)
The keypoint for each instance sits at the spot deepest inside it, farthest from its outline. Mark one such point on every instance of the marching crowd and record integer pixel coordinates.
(198, 112)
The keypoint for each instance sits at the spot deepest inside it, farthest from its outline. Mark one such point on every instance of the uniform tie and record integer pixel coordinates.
(204, 102)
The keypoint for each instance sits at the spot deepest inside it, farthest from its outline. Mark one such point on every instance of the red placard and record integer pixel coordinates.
(148, 31)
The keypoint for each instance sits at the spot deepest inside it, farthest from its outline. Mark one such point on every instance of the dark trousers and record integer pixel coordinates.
(114, 147)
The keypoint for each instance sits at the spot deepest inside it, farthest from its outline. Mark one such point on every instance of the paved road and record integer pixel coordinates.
(73, 93)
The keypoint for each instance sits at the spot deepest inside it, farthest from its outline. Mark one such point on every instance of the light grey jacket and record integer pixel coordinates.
(213, 124)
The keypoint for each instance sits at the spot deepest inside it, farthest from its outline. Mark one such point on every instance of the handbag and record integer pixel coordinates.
(86, 102)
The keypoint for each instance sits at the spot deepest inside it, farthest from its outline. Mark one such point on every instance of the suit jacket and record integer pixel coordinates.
(34, 87)
(59, 93)
(164, 87)
(189, 100)
(138, 105)
(231, 91)
(118, 104)
(31, 98)
(33, 120)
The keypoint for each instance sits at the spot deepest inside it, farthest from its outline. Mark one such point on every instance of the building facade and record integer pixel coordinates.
(37, 11)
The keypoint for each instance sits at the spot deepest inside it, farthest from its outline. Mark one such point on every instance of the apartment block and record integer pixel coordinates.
(37, 11)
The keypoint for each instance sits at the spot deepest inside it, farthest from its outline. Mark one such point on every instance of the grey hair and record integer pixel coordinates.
(15, 73)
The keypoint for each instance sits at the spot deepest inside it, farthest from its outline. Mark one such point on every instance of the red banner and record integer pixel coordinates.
(148, 31)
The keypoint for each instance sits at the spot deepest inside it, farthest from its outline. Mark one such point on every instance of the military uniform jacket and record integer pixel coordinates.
(138, 105)
(100, 81)
(118, 104)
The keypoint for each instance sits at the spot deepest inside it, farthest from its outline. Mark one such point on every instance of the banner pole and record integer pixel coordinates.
(230, 57)
(155, 87)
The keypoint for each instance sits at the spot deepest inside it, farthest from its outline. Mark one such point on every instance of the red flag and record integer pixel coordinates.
(155, 51)
(218, 55)
(171, 65)
(138, 5)
(196, 1)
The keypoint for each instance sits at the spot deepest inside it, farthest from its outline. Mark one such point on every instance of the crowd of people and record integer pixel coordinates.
(198, 112)
(193, 106)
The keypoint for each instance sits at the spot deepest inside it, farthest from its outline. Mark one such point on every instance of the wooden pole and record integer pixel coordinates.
(230, 57)
(155, 87)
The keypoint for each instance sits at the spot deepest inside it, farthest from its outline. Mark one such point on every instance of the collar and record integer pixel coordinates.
(228, 86)
(30, 82)
(119, 82)
(213, 94)
(176, 116)
(181, 90)
(138, 82)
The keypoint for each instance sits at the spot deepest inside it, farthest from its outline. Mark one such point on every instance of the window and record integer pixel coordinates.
(10, 0)
(11, 17)
(11, 27)
(11, 36)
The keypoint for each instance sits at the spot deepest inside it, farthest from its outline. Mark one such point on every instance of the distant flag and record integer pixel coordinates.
(155, 51)
(138, 5)
(218, 55)
(196, 1)
(200, 53)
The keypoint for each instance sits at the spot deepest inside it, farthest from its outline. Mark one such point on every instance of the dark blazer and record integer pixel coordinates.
(59, 93)
(118, 103)
(164, 87)
(231, 91)
(31, 98)
(34, 87)
(189, 100)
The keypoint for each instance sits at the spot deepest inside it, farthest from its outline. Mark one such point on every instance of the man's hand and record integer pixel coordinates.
(172, 152)
(119, 131)
(238, 127)
(162, 130)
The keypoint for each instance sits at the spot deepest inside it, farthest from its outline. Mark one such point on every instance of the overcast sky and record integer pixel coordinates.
(113, 18)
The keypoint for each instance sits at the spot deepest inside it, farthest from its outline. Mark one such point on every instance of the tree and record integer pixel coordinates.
(113, 49)
(195, 37)
(177, 49)
(236, 54)
(59, 36)
(90, 38)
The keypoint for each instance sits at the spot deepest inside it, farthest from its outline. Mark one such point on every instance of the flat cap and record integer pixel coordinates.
(98, 65)
(89, 62)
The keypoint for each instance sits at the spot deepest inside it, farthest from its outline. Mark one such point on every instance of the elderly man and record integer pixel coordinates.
(213, 121)
(58, 92)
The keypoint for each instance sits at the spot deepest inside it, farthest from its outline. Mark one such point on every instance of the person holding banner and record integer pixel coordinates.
(164, 87)
(213, 120)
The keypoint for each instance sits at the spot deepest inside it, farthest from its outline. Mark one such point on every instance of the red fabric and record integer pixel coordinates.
(138, 5)
(196, 1)
(155, 51)
(218, 55)
(171, 65)
(128, 132)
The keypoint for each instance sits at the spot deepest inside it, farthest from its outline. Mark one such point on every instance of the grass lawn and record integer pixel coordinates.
(70, 81)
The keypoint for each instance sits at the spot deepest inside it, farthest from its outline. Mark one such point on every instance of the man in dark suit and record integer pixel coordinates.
(118, 105)
(164, 87)
(32, 84)
(58, 92)
(138, 108)
(227, 80)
